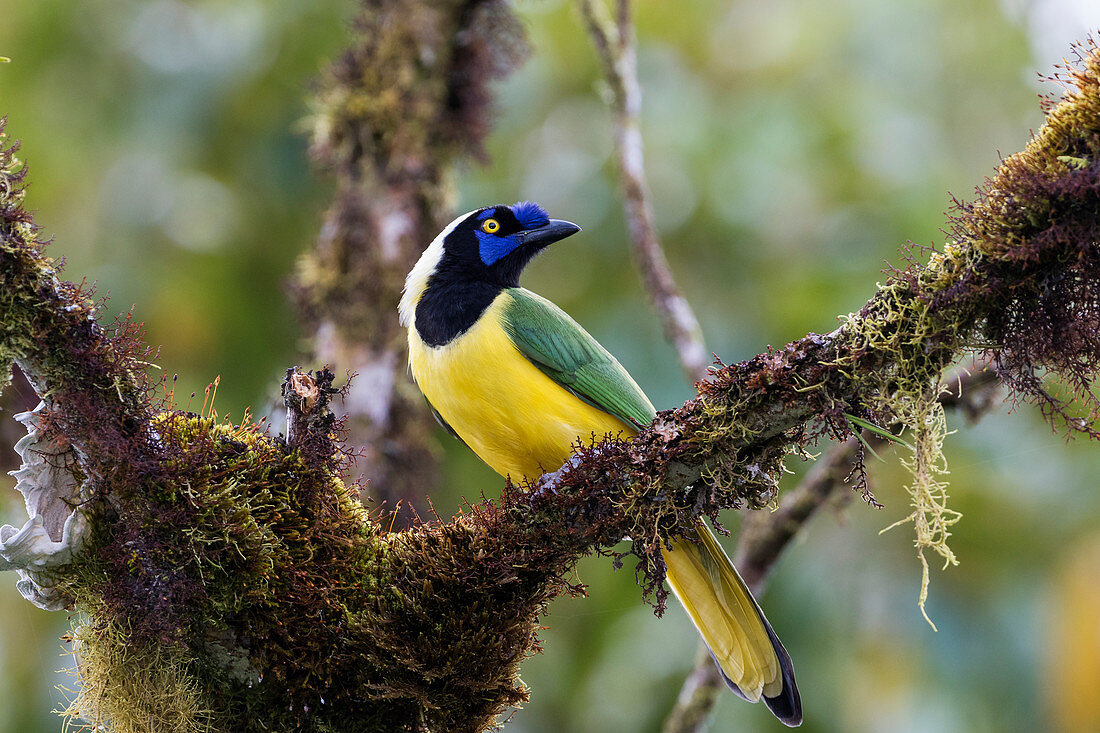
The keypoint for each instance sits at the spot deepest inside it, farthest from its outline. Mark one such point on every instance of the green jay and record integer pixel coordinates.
(520, 382)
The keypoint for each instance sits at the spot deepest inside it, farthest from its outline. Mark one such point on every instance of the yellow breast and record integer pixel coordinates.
(517, 420)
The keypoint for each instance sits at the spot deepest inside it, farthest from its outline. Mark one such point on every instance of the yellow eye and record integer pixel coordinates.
(490, 226)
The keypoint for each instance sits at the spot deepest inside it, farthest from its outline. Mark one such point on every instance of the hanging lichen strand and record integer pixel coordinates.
(1039, 215)
(229, 581)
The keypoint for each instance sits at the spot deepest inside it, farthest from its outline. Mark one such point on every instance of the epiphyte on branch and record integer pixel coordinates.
(56, 527)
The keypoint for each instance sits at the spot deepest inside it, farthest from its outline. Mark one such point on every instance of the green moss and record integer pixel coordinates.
(906, 393)
(239, 570)
(17, 233)
(266, 598)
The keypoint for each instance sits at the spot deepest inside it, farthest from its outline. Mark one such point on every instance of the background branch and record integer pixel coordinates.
(614, 44)
(395, 112)
(615, 49)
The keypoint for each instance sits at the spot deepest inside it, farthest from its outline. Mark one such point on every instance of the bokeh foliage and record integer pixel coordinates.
(793, 146)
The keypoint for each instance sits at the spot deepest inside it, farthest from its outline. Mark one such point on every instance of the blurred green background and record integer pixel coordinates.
(793, 146)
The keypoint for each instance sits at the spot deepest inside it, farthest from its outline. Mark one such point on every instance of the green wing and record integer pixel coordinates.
(566, 353)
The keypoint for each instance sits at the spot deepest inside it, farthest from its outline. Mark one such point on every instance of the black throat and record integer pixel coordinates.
(449, 307)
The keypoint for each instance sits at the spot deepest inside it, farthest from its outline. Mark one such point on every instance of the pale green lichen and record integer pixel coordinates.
(907, 392)
(128, 689)
(931, 517)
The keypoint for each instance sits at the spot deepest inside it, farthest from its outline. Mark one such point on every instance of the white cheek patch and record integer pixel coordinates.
(417, 280)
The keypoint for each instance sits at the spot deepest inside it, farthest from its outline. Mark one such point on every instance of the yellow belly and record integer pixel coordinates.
(517, 419)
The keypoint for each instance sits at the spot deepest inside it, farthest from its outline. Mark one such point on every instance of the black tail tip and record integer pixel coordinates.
(787, 706)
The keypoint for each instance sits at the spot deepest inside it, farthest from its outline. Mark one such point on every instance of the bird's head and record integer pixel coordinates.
(495, 243)
(490, 245)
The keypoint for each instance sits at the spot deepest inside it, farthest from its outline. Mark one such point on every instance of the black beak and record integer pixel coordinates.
(548, 234)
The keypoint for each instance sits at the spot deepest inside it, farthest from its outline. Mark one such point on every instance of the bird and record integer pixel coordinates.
(519, 381)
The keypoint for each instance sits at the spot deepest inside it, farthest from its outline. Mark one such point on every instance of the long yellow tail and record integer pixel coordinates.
(752, 659)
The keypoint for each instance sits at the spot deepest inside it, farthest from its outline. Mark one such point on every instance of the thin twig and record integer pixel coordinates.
(614, 44)
(694, 706)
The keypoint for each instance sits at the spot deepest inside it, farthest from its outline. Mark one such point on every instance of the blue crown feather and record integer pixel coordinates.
(530, 215)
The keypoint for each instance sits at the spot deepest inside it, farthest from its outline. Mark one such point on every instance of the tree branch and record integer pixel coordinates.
(227, 573)
(765, 535)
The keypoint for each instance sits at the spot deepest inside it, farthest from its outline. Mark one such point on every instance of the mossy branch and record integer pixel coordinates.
(91, 377)
(833, 480)
(232, 582)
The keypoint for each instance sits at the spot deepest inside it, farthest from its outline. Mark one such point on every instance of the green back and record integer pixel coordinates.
(566, 353)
